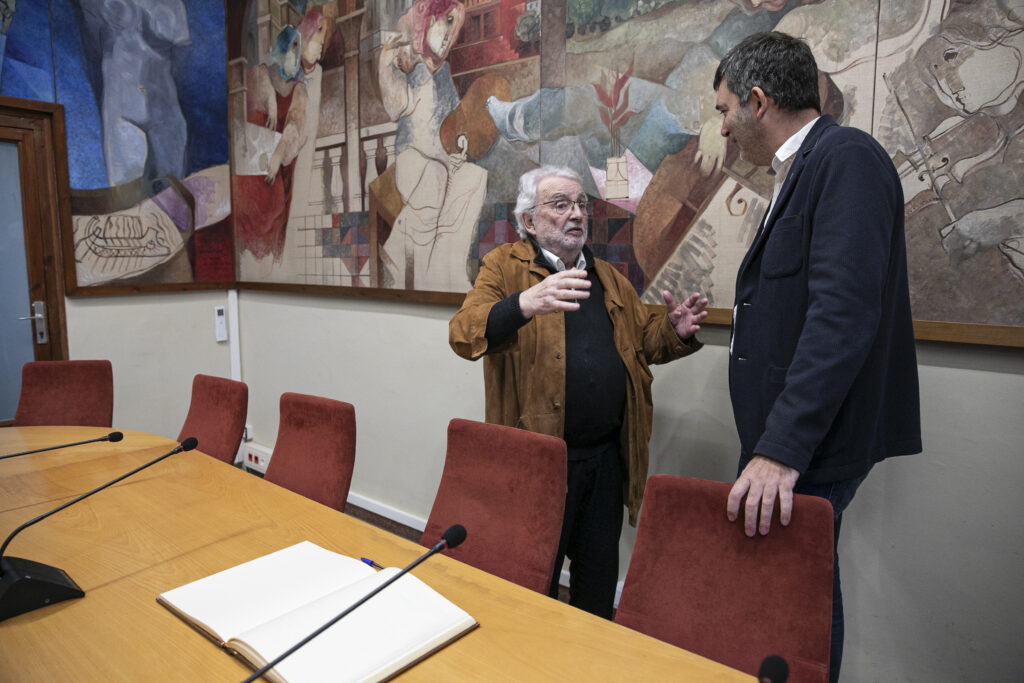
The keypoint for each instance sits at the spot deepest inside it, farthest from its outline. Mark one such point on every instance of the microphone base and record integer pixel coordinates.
(26, 585)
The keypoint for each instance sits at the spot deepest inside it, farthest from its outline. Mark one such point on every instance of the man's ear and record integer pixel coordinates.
(760, 99)
(528, 222)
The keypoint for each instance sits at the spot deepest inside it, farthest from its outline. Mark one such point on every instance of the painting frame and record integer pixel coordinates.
(924, 330)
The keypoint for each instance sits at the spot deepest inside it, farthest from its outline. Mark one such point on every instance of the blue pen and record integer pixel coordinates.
(371, 563)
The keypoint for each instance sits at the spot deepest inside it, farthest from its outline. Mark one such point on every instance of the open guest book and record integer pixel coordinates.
(261, 608)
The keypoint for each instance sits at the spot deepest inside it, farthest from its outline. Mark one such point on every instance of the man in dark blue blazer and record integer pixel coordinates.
(822, 366)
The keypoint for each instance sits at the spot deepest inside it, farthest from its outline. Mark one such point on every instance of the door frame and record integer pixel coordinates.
(38, 130)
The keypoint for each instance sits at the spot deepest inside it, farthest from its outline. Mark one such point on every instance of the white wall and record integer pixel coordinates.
(156, 343)
(931, 548)
(390, 360)
(931, 545)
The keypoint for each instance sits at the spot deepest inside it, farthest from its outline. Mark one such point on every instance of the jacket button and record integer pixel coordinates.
(558, 354)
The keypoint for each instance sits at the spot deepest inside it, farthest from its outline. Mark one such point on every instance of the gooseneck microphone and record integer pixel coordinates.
(774, 669)
(112, 437)
(26, 585)
(452, 537)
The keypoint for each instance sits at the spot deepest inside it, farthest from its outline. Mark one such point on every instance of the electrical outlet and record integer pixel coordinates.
(255, 457)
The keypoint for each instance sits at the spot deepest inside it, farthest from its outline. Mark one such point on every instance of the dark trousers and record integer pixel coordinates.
(839, 493)
(591, 529)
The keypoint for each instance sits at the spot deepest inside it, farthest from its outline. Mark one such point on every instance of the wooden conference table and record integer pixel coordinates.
(190, 515)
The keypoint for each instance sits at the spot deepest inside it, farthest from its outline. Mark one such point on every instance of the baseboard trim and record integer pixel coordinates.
(411, 527)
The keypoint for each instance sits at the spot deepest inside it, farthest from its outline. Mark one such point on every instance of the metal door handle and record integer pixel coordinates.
(38, 317)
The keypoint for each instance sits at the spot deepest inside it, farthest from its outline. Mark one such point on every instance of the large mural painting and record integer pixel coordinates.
(143, 86)
(378, 144)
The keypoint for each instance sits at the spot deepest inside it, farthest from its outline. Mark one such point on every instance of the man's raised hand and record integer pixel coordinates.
(558, 292)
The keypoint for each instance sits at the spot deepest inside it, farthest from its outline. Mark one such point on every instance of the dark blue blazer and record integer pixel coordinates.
(822, 366)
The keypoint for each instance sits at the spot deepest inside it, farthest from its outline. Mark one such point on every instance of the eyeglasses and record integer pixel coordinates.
(564, 206)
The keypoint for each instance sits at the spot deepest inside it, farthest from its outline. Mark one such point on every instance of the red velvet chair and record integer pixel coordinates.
(696, 581)
(316, 448)
(507, 487)
(216, 416)
(66, 392)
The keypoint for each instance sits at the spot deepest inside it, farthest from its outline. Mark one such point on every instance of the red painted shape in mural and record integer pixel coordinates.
(214, 260)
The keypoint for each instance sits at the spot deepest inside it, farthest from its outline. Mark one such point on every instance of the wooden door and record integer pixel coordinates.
(35, 155)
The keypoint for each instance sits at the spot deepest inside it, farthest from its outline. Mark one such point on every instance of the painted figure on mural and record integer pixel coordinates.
(441, 191)
(128, 47)
(282, 113)
(953, 123)
(144, 140)
(973, 79)
(314, 30)
(662, 144)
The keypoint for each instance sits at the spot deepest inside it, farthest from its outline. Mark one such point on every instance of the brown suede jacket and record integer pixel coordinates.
(524, 379)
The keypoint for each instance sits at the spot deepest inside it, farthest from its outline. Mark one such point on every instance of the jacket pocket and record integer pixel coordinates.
(775, 382)
(645, 369)
(783, 253)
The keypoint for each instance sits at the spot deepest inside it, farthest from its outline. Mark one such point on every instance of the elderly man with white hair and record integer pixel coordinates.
(566, 344)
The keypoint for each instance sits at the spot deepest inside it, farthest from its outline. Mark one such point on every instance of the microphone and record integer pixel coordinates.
(452, 537)
(773, 670)
(26, 585)
(112, 437)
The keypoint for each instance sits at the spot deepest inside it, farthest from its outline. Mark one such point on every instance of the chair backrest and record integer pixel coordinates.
(216, 416)
(315, 450)
(66, 392)
(695, 580)
(507, 487)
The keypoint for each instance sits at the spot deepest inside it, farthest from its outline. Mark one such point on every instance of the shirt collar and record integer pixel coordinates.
(546, 258)
(784, 155)
(581, 260)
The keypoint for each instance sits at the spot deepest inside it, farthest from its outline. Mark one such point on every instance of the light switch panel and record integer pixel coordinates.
(220, 324)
